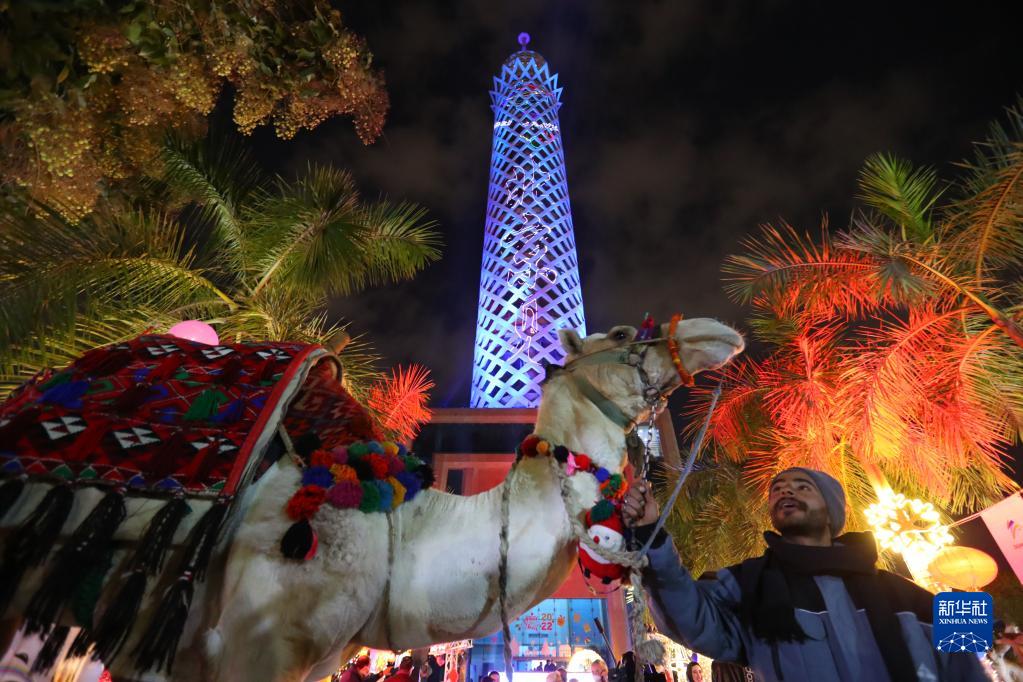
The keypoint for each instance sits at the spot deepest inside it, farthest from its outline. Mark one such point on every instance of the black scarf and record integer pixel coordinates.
(780, 581)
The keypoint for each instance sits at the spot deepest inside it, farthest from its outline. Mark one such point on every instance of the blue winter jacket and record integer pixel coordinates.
(839, 645)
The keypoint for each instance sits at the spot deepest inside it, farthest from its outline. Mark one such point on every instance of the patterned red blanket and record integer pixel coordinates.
(154, 416)
(162, 413)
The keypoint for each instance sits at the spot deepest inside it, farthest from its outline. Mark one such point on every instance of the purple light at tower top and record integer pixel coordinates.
(523, 39)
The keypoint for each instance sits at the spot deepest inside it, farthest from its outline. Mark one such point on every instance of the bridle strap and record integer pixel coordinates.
(625, 355)
(606, 406)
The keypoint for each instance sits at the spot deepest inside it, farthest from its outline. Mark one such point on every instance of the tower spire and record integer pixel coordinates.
(529, 280)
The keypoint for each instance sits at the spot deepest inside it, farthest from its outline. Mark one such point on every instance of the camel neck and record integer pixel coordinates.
(566, 418)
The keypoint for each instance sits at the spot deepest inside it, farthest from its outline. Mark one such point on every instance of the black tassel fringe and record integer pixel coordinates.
(10, 491)
(87, 546)
(119, 617)
(159, 644)
(298, 541)
(30, 544)
(52, 647)
(80, 645)
(159, 534)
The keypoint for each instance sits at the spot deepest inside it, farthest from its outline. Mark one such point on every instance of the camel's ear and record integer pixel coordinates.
(570, 341)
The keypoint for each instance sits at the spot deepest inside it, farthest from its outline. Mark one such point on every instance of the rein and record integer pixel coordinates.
(647, 649)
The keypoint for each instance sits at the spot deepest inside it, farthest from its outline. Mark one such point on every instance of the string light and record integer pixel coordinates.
(910, 527)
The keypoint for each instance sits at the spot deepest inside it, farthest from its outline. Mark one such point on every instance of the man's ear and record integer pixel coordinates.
(570, 341)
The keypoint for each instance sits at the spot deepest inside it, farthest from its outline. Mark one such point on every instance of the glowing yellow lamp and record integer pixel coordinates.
(963, 568)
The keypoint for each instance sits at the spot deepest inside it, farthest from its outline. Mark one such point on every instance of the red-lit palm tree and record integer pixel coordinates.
(895, 348)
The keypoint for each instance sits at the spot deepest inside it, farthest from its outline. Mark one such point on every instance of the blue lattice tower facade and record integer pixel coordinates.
(529, 280)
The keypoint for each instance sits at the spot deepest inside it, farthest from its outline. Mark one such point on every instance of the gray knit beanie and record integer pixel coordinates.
(832, 492)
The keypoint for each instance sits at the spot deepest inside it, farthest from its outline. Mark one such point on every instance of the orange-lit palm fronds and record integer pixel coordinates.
(895, 348)
(399, 402)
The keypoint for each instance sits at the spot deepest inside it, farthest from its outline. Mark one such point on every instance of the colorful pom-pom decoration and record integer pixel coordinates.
(321, 458)
(345, 494)
(602, 511)
(304, 504)
(370, 477)
(370, 497)
(378, 463)
(317, 475)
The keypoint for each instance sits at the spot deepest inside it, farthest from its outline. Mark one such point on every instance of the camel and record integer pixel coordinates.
(427, 572)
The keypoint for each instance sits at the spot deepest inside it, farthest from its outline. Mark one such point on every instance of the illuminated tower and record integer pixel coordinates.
(529, 281)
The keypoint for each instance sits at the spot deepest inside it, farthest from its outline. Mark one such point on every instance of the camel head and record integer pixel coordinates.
(617, 370)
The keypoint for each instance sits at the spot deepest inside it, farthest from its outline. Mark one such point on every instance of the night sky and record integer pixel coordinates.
(685, 124)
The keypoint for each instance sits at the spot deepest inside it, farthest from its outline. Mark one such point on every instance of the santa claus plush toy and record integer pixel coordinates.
(608, 533)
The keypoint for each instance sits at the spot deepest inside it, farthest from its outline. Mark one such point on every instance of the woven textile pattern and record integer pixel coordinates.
(156, 412)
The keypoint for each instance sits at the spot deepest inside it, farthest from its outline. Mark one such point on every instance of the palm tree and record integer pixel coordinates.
(895, 347)
(254, 257)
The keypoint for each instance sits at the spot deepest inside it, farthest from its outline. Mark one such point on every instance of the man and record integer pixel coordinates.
(357, 672)
(813, 607)
(598, 669)
(404, 671)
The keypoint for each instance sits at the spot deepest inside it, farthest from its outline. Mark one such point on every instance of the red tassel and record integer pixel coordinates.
(103, 361)
(87, 441)
(166, 369)
(266, 372)
(130, 400)
(231, 372)
(202, 462)
(167, 457)
(12, 431)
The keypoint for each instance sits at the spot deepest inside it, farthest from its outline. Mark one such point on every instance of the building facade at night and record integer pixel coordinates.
(529, 279)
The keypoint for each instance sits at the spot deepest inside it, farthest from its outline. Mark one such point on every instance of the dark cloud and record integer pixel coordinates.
(686, 124)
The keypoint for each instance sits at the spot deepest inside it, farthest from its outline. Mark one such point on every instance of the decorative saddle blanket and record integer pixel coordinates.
(163, 413)
(160, 416)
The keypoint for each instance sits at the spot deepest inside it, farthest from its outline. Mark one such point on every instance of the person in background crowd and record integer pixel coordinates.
(404, 671)
(1004, 655)
(549, 666)
(434, 669)
(694, 672)
(553, 676)
(655, 673)
(723, 671)
(775, 612)
(357, 671)
(493, 676)
(628, 666)
(599, 671)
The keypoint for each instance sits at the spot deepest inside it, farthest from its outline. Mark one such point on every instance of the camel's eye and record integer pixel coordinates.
(619, 335)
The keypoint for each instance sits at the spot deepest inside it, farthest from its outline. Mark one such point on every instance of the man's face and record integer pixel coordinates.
(797, 507)
(496, 677)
